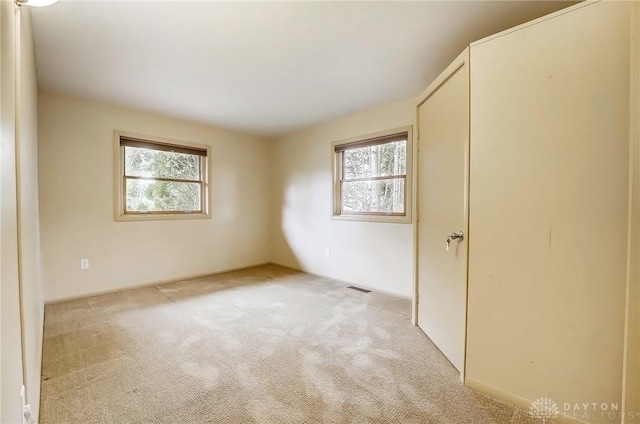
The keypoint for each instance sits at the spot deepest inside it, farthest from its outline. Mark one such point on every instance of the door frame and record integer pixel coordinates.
(458, 62)
(631, 360)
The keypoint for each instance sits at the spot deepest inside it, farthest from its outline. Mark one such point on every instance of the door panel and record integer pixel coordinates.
(443, 125)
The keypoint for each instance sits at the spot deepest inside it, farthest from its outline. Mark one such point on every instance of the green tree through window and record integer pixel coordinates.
(161, 178)
(372, 176)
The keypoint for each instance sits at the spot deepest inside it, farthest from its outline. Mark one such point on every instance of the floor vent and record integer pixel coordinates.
(359, 289)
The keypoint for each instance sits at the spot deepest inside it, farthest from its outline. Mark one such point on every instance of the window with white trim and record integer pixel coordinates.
(371, 177)
(161, 178)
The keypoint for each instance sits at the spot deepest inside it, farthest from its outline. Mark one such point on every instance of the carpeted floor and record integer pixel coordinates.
(264, 345)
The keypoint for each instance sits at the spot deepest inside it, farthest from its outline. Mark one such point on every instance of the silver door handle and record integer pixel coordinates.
(454, 236)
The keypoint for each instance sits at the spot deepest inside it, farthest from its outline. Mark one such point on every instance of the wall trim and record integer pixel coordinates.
(155, 283)
(210, 274)
(407, 218)
(119, 190)
(536, 21)
(350, 283)
(460, 63)
(512, 399)
(630, 366)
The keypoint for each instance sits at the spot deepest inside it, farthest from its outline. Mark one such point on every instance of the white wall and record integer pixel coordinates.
(20, 255)
(76, 198)
(372, 254)
(548, 209)
(29, 223)
(10, 350)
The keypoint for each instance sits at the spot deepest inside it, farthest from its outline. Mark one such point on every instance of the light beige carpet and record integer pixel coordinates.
(265, 345)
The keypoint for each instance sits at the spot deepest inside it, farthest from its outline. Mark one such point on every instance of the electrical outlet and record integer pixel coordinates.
(84, 263)
(327, 251)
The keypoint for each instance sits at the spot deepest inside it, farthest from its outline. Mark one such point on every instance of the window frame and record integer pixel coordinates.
(162, 144)
(337, 160)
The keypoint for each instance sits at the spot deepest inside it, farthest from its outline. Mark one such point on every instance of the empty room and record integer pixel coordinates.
(319, 212)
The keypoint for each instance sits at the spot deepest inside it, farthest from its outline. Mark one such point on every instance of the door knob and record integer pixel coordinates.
(454, 236)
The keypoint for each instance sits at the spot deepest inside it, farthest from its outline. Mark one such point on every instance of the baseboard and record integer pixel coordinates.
(514, 400)
(349, 283)
(209, 274)
(155, 283)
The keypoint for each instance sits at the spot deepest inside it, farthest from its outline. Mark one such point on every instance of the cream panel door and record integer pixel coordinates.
(443, 125)
(548, 208)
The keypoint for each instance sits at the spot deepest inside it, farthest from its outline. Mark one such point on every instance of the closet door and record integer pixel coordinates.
(443, 127)
(548, 208)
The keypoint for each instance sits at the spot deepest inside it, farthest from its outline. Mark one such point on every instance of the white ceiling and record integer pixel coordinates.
(266, 68)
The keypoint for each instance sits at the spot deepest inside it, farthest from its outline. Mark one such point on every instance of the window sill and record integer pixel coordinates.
(161, 217)
(375, 218)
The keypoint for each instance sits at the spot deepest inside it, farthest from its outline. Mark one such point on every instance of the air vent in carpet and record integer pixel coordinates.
(359, 289)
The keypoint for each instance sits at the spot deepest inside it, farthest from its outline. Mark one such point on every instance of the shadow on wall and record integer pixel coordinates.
(303, 219)
(283, 252)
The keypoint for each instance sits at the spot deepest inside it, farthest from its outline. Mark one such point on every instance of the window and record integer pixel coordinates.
(372, 177)
(160, 179)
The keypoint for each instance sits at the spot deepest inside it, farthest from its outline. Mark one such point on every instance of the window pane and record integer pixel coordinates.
(376, 161)
(165, 196)
(140, 162)
(386, 196)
